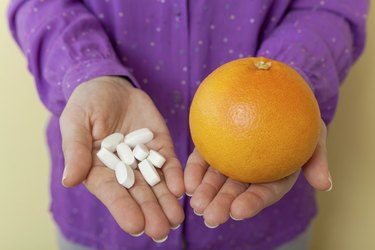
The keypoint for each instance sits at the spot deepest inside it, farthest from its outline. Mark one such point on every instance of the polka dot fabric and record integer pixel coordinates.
(166, 47)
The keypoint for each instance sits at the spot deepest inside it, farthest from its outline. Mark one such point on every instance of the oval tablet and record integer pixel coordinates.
(149, 172)
(124, 175)
(126, 155)
(108, 158)
(140, 152)
(140, 136)
(111, 141)
(156, 158)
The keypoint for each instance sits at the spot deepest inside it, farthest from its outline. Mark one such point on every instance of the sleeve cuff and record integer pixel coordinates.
(91, 69)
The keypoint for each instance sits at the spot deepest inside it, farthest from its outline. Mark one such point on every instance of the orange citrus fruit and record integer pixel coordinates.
(255, 120)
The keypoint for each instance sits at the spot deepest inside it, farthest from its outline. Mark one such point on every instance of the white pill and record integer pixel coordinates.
(111, 141)
(124, 175)
(149, 172)
(126, 155)
(156, 158)
(108, 158)
(140, 152)
(140, 136)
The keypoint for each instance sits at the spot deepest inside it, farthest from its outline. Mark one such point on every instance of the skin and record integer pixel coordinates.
(218, 198)
(106, 105)
(103, 106)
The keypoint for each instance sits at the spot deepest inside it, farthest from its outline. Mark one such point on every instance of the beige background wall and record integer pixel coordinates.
(347, 214)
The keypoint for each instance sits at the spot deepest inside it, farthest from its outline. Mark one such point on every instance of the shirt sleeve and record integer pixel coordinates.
(321, 40)
(64, 44)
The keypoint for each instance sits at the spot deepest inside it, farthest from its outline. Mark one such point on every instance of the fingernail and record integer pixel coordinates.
(161, 240)
(64, 176)
(209, 226)
(230, 214)
(197, 213)
(179, 198)
(330, 181)
(190, 195)
(137, 235)
(176, 227)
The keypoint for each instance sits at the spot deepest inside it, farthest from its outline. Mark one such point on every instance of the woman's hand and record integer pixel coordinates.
(217, 197)
(99, 108)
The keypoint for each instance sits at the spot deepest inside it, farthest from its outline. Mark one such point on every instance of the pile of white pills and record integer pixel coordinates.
(124, 154)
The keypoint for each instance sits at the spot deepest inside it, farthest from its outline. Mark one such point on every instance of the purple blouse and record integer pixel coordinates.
(166, 47)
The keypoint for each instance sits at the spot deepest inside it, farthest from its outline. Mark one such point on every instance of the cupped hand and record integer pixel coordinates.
(97, 109)
(218, 198)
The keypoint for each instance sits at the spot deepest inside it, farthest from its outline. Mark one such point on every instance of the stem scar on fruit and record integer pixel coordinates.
(263, 65)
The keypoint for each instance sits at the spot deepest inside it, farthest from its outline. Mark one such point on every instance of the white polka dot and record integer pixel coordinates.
(152, 44)
(158, 29)
(185, 68)
(182, 107)
(204, 66)
(333, 39)
(240, 55)
(173, 111)
(35, 9)
(232, 17)
(157, 67)
(347, 51)
(252, 20)
(183, 82)
(299, 31)
(124, 59)
(32, 30)
(273, 19)
(48, 27)
(101, 15)
(198, 82)
(145, 80)
(147, 20)
(230, 51)
(322, 2)
(267, 52)
(121, 14)
(212, 26)
(225, 39)
(75, 210)
(200, 42)
(162, 1)
(291, 62)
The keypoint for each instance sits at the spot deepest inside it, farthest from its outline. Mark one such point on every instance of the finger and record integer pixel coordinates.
(77, 146)
(207, 190)
(316, 169)
(172, 169)
(102, 183)
(170, 205)
(260, 196)
(156, 223)
(196, 167)
(218, 210)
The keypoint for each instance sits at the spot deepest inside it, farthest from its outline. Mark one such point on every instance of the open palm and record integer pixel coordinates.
(103, 106)
(218, 198)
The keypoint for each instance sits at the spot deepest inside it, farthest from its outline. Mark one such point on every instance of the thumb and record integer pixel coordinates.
(316, 169)
(77, 146)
